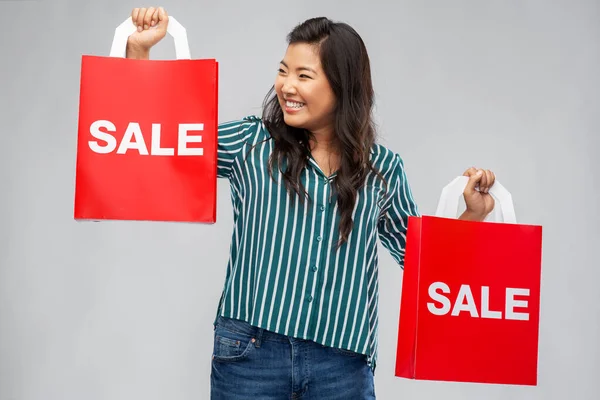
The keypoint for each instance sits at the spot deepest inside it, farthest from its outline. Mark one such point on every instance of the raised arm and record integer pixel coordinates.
(151, 28)
(398, 207)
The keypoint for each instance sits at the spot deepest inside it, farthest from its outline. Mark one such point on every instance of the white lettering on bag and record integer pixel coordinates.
(133, 139)
(465, 302)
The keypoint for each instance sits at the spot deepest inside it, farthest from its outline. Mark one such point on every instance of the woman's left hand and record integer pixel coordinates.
(479, 202)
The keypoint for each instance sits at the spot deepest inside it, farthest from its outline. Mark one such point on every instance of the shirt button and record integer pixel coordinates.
(322, 208)
(314, 268)
(319, 238)
(309, 298)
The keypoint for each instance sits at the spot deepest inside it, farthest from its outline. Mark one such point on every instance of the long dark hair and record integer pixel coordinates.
(345, 61)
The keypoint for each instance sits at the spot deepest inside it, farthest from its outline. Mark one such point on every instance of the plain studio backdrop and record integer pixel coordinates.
(124, 310)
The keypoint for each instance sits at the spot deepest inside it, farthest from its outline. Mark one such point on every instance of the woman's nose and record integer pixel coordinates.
(288, 88)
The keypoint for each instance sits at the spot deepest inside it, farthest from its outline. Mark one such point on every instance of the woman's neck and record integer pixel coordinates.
(324, 141)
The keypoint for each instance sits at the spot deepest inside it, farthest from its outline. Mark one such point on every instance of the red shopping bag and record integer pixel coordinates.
(147, 139)
(470, 296)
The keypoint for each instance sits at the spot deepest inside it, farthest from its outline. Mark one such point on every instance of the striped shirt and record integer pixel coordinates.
(284, 272)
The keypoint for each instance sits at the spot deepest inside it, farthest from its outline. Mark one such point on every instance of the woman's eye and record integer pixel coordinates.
(305, 76)
(281, 71)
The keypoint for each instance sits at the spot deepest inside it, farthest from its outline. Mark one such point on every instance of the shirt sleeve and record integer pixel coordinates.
(398, 206)
(233, 138)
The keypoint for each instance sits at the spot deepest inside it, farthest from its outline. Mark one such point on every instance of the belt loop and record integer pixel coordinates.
(259, 335)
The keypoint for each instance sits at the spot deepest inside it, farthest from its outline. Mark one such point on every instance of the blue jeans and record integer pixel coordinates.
(252, 363)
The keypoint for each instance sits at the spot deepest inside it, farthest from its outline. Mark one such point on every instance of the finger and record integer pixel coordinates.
(483, 182)
(162, 15)
(140, 18)
(148, 17)
(474, 179)
(134, 16)
(154, 17)
(470, 171)
(490, 180)
(163, 20)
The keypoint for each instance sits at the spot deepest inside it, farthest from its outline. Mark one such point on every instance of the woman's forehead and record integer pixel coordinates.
(300, 55)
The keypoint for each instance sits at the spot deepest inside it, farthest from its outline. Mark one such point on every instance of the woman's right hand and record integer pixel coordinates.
(151, 26)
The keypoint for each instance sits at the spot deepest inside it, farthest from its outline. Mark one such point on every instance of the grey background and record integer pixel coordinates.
(123, 310)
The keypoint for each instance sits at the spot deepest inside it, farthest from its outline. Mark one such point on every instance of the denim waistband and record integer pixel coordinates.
(260, 334)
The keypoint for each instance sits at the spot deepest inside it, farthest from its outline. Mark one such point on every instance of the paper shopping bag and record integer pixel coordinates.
(470, 295)
(147, 138)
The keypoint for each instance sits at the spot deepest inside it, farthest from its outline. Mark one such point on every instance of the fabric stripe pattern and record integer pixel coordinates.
(285, 273)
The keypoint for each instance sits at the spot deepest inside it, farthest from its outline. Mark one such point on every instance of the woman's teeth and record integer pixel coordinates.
(293, 104)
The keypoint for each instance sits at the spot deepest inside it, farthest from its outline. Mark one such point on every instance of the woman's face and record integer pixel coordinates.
(303, 90)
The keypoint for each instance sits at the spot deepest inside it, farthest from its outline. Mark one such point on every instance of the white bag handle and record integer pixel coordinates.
(504, 210)
(177, 31)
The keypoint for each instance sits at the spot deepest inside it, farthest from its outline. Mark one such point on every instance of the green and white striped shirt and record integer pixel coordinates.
(284, 273)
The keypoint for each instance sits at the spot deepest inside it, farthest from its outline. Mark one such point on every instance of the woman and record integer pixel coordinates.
(311, 192)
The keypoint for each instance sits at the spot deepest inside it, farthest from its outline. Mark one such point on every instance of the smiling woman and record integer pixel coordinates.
(303, 90)
(312, 191)
(322, 109)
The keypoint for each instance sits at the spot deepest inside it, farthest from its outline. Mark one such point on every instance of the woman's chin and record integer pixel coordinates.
(293, 120)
